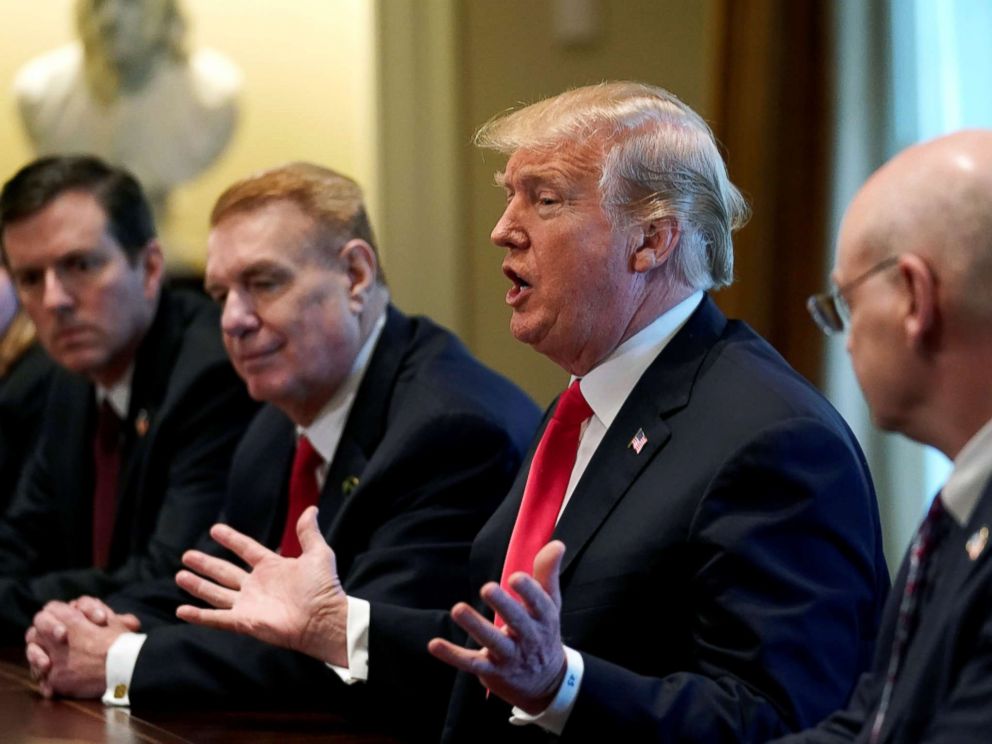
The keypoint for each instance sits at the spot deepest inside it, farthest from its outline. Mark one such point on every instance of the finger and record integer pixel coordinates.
(218, 570)
(547, 568)
(482, 631)
(209, 618)
(209, 592)
(39, 661)
(94, 610)
(64, 613)
(248, 550)
(472, 661)
(131, 622)
(540, 606)
(513, 612)
(308, 531)
(48, 628)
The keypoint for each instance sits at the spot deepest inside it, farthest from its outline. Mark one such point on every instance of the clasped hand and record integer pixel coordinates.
(67, 646)
(524, 661)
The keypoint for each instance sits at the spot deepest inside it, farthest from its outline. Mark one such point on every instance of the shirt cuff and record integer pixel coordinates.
(358, 643)
(121, 659)
(555, 716)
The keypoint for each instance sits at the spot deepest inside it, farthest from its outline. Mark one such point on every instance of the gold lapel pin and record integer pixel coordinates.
(976, 543)
(349, 484)
(142, 423)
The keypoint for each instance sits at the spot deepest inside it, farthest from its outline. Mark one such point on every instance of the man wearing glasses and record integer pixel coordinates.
(913, 280)
(141, 420)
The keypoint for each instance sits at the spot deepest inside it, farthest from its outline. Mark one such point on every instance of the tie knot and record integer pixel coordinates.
(572, 408)
(307, 458)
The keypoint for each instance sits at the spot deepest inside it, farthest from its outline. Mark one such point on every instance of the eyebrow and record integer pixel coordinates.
(537, 175)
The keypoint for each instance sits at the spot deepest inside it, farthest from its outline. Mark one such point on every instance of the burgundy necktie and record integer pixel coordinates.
(303, 492)
(922, 548)
(106, 468)
(547, 481)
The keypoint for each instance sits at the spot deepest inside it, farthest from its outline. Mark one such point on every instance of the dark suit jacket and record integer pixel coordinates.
(173, 475)
(434, 439)
(22, 399)
(723, 584)
(943, 692)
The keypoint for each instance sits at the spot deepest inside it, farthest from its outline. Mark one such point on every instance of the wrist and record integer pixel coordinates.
(548, 695)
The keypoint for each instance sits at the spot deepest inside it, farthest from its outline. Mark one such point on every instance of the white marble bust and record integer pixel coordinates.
(130, 93)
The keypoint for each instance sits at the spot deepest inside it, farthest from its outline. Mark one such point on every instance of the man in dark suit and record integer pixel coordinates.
(418, 443)
(912, 277)
(143, 416)
(724, 572)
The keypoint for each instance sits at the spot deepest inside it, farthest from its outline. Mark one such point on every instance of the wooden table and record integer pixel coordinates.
(27, 718)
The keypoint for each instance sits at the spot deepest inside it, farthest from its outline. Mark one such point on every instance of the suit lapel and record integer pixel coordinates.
(664, 388)
(365, 425)
(957, 560)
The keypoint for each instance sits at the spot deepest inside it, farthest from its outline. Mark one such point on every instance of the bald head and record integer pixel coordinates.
(920, 336)
(933, 200)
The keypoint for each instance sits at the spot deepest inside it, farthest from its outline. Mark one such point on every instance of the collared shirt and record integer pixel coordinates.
(117, 395)
(972, 470)
(325, 435)
(606, 388)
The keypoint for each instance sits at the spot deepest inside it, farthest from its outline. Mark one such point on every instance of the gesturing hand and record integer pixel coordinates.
(296, 603)
(524, 661)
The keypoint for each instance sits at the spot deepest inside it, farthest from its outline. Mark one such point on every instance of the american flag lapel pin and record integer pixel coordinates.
(638, 442)
(976, 543)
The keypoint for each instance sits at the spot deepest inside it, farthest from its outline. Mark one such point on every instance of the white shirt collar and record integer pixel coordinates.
(607, 385)
(325, 431)
(972, 470)
(118, 394)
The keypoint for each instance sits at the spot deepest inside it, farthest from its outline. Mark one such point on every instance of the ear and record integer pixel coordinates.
(921, 316)
(360, 266)
(657, 241)
(153, 263)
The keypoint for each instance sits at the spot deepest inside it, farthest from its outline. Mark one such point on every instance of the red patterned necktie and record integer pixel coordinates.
(922, 548)
(547, 482)
(303, 492)
(106, 468)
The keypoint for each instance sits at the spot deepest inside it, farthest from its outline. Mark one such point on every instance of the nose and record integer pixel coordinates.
(508, 232)
(55, 295)
(238, 317)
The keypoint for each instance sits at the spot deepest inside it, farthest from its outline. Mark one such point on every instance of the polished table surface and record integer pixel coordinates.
(25, 717)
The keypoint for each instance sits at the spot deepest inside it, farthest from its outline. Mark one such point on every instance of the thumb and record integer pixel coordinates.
(547, 565)
(131, 622)
(308, 531)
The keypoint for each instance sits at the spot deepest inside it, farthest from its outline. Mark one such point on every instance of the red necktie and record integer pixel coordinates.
(106, 468)
(303, 492)
(547, 482)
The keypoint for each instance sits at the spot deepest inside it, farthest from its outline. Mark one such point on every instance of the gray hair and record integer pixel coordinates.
(660, 161)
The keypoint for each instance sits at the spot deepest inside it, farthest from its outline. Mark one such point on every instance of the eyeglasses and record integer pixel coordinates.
(830, 310)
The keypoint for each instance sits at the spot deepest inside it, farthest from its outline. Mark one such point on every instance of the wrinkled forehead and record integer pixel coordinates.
(566, 163)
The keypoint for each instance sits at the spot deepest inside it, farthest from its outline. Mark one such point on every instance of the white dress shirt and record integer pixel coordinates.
(324, 434)
(972, 470)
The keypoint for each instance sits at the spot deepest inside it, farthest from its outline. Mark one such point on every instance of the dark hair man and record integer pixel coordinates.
(143, 417)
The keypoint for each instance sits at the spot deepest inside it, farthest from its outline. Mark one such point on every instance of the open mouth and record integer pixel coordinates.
(519, 289)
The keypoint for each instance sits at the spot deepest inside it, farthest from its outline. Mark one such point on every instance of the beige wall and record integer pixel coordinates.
(309, 92)
(390, 91)
(509, 55)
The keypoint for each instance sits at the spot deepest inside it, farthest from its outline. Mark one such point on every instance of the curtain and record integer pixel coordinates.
(774, 119)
